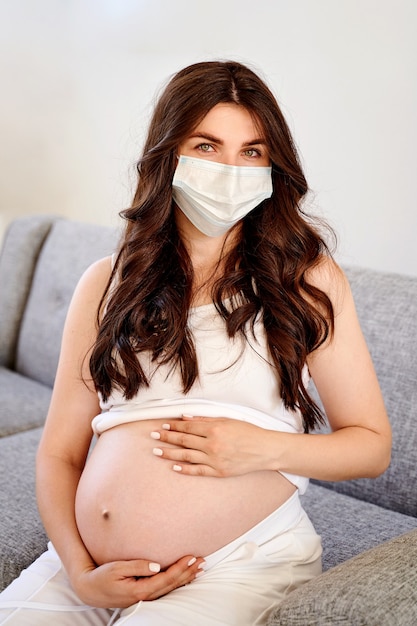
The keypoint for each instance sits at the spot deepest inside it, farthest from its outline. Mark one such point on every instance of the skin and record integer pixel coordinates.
(227, 135)
(61, 458)
(342, 371)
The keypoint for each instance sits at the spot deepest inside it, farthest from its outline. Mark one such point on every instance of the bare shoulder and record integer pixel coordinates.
(98, 272)
(94, 280)
(329, 277)
(89, 292)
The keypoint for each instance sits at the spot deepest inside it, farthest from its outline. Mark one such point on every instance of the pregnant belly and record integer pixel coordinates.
(131, 504)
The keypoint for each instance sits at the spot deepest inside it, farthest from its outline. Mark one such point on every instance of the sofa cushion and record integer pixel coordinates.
(22, 536)
(69, 249)
(24, 402)
(348, 526)
(387, 310)
(376, 588)
(22, 243)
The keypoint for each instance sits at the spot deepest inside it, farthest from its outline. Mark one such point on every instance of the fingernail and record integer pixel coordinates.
(200, 573)
(154, 567)
(188, 416)
(191, 561)
(166, 426)
(157, 451)
(176, 468)
(155, 435)
(201, 565)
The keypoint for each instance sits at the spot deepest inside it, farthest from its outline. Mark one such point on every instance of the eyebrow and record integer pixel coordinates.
(212, 139)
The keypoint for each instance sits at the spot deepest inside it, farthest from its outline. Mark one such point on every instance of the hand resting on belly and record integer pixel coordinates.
(130, 504)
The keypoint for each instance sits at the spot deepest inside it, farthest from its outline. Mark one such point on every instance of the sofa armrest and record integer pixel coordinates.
(375, 588)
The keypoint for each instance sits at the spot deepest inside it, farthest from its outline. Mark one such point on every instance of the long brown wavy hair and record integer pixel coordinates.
(147, 306)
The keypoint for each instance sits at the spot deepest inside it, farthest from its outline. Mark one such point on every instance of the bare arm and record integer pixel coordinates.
(61, 458)
(344, 375)
(67, 435)
(360, 442)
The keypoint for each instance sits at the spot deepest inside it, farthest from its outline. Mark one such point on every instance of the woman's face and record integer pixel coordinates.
(229, 135)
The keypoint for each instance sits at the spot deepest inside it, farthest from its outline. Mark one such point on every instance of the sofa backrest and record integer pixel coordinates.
(33, 311)
(68, 250)
(387, 310)
(20, 249)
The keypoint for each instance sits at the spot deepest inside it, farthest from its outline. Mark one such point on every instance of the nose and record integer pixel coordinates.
(228, 158)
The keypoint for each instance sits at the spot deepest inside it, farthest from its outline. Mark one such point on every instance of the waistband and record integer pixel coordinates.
(279, 521)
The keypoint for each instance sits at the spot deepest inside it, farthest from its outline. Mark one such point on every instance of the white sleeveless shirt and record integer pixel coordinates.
(236, 380)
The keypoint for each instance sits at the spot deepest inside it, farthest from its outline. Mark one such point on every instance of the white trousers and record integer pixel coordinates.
(241, 585)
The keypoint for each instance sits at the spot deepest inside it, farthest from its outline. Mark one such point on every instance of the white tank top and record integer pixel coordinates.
(236, 380)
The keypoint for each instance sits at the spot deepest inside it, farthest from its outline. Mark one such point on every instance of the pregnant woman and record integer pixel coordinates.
(188, 353)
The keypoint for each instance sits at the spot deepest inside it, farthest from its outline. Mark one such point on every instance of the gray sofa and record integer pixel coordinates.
(368, 527)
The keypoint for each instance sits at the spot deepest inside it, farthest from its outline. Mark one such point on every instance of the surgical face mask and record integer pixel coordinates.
(215, 196)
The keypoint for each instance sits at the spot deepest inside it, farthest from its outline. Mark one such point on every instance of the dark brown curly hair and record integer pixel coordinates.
(267, 267)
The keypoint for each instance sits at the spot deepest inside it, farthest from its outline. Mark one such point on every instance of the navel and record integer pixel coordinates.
(105, 513)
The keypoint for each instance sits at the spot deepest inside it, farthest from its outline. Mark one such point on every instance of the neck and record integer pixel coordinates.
(204, 251)
(206, 254)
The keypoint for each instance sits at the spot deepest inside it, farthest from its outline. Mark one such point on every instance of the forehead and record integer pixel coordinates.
(230, 119)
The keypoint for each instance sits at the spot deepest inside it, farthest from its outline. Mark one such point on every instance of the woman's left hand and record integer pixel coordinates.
(207, 446)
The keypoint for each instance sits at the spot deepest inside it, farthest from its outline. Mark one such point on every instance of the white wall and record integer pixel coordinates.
(78, 78)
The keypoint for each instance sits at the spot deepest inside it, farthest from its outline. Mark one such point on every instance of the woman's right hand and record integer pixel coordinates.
(123, 583)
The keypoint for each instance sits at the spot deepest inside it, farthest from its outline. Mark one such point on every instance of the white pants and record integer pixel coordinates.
(241, 585)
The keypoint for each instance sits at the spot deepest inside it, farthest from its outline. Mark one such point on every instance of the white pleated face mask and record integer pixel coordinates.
(215, 196)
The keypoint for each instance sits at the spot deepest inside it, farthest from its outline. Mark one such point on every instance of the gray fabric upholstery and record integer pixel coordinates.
(69, 249)
(22, 537)
(348, 526)
(24, 402)
(39, 268)
(16, 271)
(387, 309)
(376, 588)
